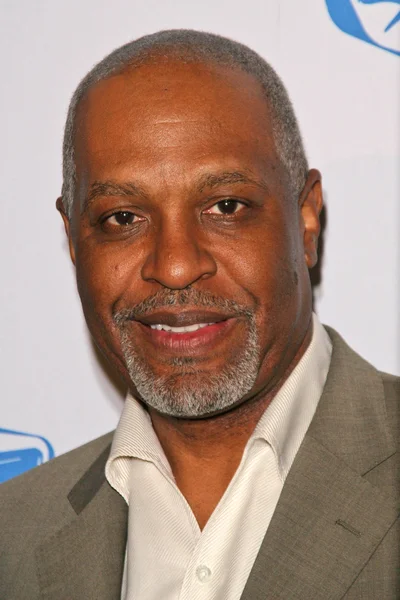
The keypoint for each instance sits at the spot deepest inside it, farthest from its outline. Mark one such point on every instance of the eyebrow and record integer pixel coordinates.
(100, 189)
(228, 177)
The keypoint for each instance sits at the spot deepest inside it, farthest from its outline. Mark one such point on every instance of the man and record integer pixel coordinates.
(256, 453)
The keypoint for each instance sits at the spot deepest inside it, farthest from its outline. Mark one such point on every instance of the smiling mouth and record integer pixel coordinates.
(187, 338)
(180, 330)
(188, 330)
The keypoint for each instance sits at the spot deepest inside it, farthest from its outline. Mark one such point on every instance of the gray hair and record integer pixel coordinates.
(195, 46)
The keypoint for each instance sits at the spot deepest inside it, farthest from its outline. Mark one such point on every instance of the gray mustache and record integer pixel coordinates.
(186, 297)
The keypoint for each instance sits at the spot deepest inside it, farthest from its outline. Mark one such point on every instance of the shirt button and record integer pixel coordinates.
(203, 573)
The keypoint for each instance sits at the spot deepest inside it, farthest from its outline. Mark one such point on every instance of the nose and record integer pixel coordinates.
(178, 258)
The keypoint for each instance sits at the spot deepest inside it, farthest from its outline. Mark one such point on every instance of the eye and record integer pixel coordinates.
(121, 218)
(229, 206)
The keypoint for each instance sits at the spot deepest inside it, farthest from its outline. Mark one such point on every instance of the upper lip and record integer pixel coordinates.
(182, 318)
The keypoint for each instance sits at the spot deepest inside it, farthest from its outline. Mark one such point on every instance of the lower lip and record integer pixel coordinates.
(190, 340)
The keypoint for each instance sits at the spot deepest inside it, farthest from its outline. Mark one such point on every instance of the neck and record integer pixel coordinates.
(208, 438)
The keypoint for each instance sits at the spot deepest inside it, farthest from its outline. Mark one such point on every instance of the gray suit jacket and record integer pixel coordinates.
(334, 534)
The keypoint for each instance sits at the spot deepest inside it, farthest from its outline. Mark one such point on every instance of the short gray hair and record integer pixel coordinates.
(195, 46)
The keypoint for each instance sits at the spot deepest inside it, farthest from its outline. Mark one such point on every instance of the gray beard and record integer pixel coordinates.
(188, 391)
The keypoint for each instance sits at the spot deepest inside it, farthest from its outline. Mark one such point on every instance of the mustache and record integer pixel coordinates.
(186, 297)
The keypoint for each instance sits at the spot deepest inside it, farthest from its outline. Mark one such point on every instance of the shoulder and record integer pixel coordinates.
(59, 473)
(40, 495)
(354, 375)
(391, 385)
(346, 361)
(35, 505)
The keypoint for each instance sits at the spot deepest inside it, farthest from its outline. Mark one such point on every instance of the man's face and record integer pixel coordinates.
(191, 252)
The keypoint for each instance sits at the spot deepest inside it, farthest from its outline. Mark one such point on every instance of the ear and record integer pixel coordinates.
(67, 226)
(311, 203)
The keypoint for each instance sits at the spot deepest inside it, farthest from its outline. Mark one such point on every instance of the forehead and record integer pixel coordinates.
(152, 111)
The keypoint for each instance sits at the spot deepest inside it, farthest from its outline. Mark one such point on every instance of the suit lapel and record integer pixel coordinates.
(329, 518)
(327, 524)
(85, 558)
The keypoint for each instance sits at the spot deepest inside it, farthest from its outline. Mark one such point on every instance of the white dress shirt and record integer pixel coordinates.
(168, 557)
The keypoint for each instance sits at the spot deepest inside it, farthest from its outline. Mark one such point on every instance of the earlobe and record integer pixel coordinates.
(311, 203)
(67, 226)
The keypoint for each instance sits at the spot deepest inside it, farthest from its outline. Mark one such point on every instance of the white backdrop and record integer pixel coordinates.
(346, 93)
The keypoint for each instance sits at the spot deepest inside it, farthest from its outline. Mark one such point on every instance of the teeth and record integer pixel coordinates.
(188, 328)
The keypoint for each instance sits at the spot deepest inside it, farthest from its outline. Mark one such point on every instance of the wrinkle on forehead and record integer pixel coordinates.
(174, 121)
(152, 116)
(164, 94)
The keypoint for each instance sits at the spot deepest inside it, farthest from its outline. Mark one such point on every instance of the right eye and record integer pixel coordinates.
(121, 219)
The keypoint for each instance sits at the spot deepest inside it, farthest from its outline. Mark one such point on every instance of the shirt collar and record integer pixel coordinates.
(134, 438)
(287, 418)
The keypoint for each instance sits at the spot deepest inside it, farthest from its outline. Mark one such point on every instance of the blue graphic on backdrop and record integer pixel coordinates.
(20, 452)
(374, 21)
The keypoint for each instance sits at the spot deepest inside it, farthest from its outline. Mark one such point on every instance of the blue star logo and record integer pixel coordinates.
(373, 21)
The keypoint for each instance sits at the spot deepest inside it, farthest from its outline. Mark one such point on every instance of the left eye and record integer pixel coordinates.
(225, 207)
(122, 218)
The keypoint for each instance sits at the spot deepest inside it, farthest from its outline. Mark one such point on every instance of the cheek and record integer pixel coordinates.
(264, 264)
(104, 273)
(264, 270)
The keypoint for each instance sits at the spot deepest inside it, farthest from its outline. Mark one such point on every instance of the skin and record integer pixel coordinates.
(165, 127)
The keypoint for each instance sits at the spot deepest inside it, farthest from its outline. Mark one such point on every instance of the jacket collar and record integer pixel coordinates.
(326, 524)
(85, 558)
